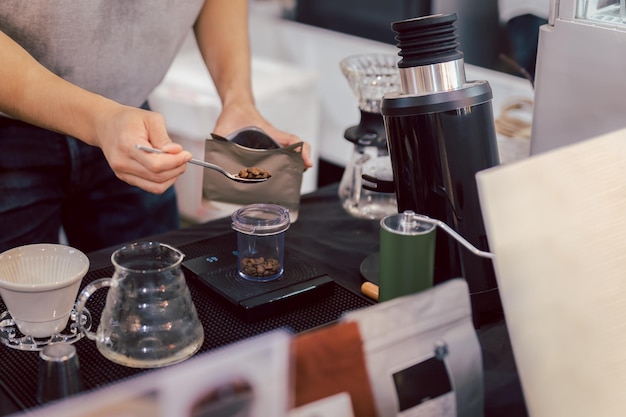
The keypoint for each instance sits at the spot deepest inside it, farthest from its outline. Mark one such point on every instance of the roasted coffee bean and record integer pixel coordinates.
(254, 173)
(260, 267)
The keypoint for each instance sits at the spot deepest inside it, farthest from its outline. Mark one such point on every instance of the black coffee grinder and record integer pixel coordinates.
(440, 133)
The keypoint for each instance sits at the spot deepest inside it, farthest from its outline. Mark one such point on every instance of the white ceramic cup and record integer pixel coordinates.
(39, 284)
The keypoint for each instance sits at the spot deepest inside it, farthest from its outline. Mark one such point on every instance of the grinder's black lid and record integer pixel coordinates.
(427, 40)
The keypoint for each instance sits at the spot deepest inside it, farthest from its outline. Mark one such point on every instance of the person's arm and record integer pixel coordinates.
(221, 31)
(30, 92)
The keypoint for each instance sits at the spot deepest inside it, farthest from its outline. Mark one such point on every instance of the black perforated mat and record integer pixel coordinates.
(222, 326)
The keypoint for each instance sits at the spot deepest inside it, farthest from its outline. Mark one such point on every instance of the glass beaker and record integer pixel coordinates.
(149, 319)
(366, 189)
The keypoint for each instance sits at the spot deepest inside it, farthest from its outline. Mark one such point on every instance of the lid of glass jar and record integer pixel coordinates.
(261, 219)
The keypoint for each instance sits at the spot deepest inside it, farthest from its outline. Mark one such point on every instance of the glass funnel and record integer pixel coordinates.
(371, 76)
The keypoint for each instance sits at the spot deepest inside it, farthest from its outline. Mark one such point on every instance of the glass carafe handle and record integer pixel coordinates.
(378, 185)
(82, 300)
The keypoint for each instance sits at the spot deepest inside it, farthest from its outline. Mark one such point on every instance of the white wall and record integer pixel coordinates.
(320, 50)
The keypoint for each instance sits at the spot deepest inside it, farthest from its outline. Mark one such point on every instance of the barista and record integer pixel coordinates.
(75, 80)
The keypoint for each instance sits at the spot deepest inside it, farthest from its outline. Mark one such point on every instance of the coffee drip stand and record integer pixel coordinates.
(366, 189)
(10, 335)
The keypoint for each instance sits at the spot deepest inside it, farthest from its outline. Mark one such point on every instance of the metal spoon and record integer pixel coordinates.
(234, 177)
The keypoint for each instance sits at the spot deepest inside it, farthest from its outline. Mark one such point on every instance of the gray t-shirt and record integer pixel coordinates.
(120, 49)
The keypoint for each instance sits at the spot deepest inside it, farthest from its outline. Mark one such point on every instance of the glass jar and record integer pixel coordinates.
(260, 241)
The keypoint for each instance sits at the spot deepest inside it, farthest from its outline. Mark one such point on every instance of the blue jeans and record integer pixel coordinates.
(49, 180)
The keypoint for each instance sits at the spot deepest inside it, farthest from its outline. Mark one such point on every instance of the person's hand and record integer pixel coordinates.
(285, 139)
(233, 118)
(32, 93)
(119, 130)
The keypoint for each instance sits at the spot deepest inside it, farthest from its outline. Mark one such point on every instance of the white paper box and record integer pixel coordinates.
(321, 50)
(263, 362)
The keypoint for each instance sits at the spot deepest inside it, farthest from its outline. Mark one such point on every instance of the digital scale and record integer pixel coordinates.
(300, 283)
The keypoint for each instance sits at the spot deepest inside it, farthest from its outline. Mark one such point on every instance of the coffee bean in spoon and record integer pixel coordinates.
(254, 173)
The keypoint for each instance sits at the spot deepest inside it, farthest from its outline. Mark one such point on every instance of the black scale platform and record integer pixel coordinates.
(217, 269)
(223, 320)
